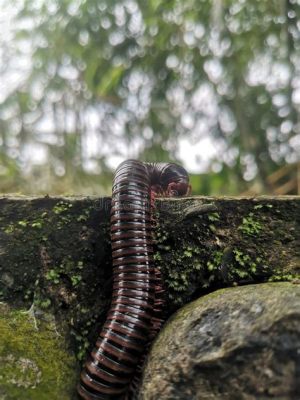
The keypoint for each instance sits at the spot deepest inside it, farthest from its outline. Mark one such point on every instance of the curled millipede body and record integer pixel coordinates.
(136, 312)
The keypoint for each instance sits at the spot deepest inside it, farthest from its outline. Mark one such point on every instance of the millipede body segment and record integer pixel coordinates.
(135, 314)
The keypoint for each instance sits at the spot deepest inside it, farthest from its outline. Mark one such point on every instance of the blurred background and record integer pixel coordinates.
(213, 85)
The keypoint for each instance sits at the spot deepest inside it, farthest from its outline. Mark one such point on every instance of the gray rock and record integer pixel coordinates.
(233, 344)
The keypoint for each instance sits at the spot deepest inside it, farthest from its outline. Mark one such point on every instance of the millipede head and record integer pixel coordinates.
(175, 180)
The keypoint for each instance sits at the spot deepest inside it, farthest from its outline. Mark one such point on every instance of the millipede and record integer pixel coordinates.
(114, 366)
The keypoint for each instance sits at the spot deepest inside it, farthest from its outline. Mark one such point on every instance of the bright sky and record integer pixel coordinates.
(196, 153)
(194, 156)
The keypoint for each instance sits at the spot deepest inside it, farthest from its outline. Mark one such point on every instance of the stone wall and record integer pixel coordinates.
(55, 266)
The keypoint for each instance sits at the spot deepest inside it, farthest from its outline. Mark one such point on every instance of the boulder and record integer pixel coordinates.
(239, 343)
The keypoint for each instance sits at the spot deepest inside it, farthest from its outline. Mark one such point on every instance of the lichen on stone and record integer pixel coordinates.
(36, 362)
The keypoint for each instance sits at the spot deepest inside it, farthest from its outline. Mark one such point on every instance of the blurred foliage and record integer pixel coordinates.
(99, 81)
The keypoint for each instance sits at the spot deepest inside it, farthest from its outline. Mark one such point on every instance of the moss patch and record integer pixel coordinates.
(62, 248)
(205, 244)
(35, 363)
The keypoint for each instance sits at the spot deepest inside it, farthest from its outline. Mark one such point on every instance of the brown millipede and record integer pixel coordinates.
(136, 312)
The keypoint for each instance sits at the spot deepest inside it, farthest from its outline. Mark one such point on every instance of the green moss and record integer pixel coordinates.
(81, 218)
(23, 223)
(60, 259)
(262, 206)
(246, 263)
(215, 261)
(68, 269)
(34, 363)
(84, 216)
(75, 279)
(45, 303)
(250, 226)
(37, 224)
(216, 250)
(53, 275)
(215, 216)
(61, 207)
(279, 276)
(240, 270)
(180, 265)
(9, 228)
(188, 252)
(82, 342)
(38, 221)
(62, 211)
